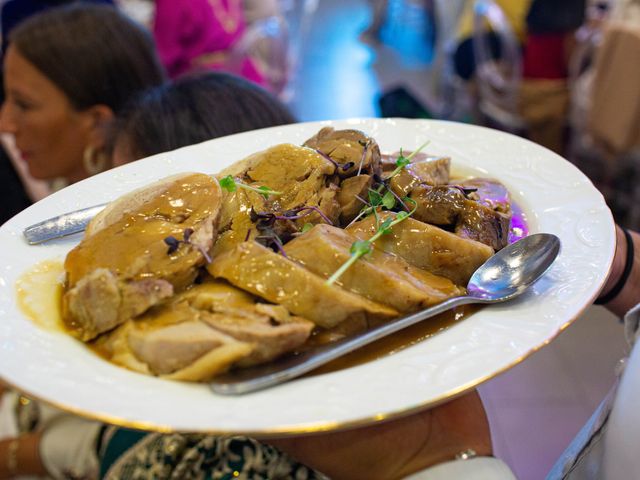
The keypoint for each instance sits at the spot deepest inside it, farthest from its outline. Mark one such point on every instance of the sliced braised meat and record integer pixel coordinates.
(204, 331)
(100, 302)
(269, 275)
(268, 338)
(353, 191)
(429, 170)
(270, 329)
(489, 192)
(170, 348)
(303, 177)
(353, 151)
(449, 206)
(381, 277)
(440, 205)
(481, 223)
(133, 249)
(428, 247)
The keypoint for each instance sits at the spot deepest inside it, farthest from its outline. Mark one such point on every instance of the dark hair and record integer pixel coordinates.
(93, 53)
(194, 109)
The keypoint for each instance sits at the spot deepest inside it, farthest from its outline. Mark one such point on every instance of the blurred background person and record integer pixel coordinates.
(463, 58)
(62, 94)
(193, 109)
(12, 176)
(197, 35)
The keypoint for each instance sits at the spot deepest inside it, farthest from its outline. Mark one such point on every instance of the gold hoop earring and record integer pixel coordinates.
(94, 161)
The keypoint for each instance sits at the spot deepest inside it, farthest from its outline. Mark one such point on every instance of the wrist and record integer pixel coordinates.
(20, 456)
(9, 457)
(618, 265)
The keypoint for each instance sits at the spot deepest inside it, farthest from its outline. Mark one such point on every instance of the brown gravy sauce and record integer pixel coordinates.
(398, 341)
(39, 294)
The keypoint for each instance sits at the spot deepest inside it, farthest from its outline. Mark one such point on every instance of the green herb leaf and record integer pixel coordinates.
(265, 191)
(402, 162)
(306, 227)
(388, 200)
(385, 227)
(415, 152)
(375, 198)
(228, 183)
(360, 247)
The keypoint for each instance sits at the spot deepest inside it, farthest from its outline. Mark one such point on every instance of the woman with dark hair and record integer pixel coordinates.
(194, 109)
(67, 73)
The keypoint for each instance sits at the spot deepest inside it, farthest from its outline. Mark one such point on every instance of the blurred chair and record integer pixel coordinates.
(605, 137)
(266, 43)
(275, 43)
(498, 80)
(449, 92)
(298, 16)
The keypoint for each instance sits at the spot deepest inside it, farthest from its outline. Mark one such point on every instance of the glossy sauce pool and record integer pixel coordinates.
(39, 294)
(399, 340)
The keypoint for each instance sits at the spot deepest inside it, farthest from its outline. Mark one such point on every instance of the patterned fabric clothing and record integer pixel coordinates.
(130, 455)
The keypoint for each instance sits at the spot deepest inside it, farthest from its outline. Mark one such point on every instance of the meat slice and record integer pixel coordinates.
(100, 301)
(381, 277)
(425, 169)
(449, 206)
(428, 247)
(489, 192)
(302, 176)
(269, 275)
(125, 260)
(354, 151)
(171, 348)
(440, 205)
(483, 224)
(352, 190)
(270, 329)
(204, 331)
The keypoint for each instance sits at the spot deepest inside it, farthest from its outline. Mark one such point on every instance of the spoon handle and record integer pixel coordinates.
(61, 226)
(292, 366)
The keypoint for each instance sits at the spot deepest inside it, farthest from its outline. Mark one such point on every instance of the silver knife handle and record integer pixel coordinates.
(62, 225)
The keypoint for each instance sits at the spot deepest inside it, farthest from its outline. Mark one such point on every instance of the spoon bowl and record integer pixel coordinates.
(502, 277)
(513, 269)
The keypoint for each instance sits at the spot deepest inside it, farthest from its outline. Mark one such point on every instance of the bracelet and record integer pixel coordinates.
(628, 266)
(466, 454)
(12, 457)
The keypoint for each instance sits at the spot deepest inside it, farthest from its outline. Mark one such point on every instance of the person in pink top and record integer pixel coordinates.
(197, 35)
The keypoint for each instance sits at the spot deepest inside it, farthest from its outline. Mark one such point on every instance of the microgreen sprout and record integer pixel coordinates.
(387, 200)
(360, 248)
(344, 167)
(403, 161)
(275, 235)
(293, 214)
(272, 239)
(365, 147)
(231, 185)
(173, 243)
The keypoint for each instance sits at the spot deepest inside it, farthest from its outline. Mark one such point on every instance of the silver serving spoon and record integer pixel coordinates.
(504, 276)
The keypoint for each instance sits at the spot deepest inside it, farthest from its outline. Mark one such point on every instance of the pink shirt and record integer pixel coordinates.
(194, 35)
